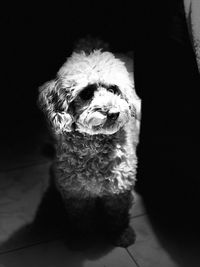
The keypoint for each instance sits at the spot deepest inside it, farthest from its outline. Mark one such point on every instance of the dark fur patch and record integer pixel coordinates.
(113, 88)
(88, 92)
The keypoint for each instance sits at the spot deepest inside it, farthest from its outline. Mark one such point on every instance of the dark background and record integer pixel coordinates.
(36, 41)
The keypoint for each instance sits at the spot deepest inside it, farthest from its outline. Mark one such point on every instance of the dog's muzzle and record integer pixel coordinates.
(112, 116)
(103, 119)
(111, 119)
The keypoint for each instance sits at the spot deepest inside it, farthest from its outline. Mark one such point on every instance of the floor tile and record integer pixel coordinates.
(138, 208)
(57, 254)
(147, 250)
(22, 148)
(14, 158)
(9, 164)
(21, 192)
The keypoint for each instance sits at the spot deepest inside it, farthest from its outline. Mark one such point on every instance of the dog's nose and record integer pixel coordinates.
(113, 116)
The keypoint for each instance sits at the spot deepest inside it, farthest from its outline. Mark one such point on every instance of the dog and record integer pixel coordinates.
(94, 113)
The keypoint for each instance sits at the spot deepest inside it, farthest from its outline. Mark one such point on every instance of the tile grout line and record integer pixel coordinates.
(25, 166)
(30, 245)
(131, 256)
(139, 215)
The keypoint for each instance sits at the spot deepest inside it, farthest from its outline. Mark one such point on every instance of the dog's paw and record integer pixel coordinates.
(125, 239)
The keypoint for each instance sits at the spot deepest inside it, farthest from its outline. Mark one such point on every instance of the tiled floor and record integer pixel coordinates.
(32, 239)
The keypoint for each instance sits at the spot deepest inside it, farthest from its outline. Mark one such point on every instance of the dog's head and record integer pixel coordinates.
(92, 94)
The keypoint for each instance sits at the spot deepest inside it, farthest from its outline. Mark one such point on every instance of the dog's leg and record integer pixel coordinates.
(115, 218)
(80, 214)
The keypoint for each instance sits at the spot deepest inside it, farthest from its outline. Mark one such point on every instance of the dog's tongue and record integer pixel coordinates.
(96, 119)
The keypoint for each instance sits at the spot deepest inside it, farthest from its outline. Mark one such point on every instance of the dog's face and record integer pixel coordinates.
(93, 94)
(100, 109)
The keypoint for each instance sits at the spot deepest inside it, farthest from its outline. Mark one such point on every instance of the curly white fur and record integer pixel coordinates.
(79, 71)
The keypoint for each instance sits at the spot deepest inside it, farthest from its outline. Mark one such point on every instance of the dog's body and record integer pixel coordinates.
(93, 110)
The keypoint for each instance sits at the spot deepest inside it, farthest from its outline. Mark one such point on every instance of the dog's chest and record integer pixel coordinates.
(93, 169)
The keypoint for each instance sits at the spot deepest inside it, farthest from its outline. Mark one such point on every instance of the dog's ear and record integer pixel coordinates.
(128, 86)
(135, 106)
(133, 100)
(53, 102)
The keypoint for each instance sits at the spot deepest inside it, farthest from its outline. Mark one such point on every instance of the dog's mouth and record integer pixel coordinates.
(109, 122)
(111, 119)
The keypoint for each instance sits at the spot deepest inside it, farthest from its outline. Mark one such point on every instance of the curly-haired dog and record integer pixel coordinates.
(94, 112)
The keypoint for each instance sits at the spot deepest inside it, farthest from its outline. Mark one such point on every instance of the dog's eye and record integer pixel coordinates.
(88, 92)
(113, 89)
